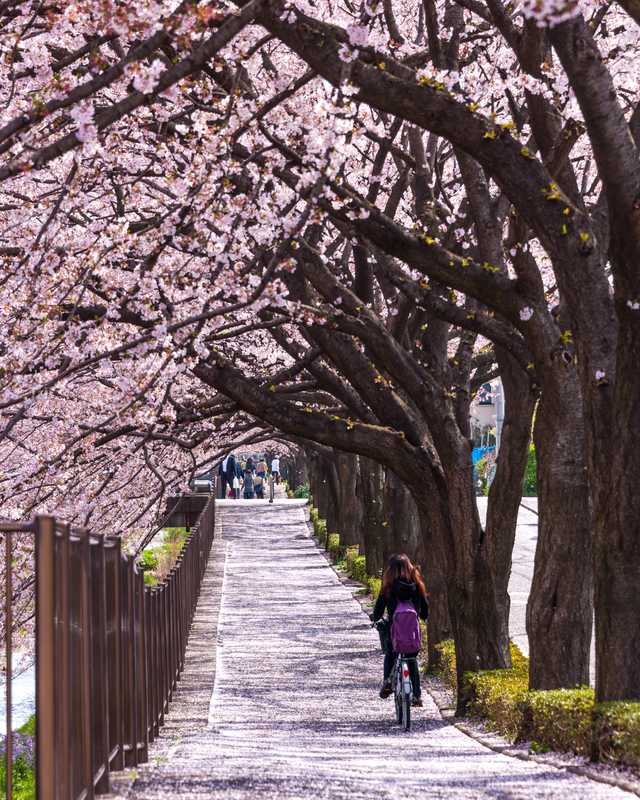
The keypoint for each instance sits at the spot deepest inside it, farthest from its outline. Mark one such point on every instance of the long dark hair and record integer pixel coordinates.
(400, 568)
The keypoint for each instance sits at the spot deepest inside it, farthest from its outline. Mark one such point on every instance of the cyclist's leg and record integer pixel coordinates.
(414, 672)
(389, 661)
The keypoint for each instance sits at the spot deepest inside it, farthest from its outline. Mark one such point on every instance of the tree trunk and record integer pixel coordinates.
(457, 540)
(506, 490)
(349, 508)
(322, 489)
(333, 494)
(560, 611)
(433, 566)
(370, 492)
(401, 520)
(616, 477)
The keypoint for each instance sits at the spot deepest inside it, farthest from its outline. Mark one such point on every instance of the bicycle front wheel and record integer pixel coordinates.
(406, 712)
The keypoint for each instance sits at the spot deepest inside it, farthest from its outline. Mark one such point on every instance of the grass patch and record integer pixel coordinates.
(156, 562)
(24, 778)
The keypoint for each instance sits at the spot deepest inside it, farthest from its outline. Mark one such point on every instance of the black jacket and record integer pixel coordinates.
(401, 591)
(231, 469)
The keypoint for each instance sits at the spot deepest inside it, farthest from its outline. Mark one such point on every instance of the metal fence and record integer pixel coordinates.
(109, 651)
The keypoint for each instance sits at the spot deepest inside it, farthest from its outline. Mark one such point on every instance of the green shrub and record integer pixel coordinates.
(148, 561)
(374, 585)
(616, 732)
(313, 514)
(481, 470)
(530, 484)
(356, 564)
(350, 554)
(447, 653)
(518, 659)
(359, 569)
(320, 529)
(301, 492)
(500, 696)
(24, 782)
(560, 719)
(333, 546)
(29, 727)
(175, 535)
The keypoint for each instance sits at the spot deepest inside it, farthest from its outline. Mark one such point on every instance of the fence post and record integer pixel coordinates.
(8, 636)
(85, 669)
(100, 667)
(143, 727)
(45, 659)
(129, 662)
(114, 633)
(64, 773)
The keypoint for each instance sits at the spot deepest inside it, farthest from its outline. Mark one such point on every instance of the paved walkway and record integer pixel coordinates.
(294, 712)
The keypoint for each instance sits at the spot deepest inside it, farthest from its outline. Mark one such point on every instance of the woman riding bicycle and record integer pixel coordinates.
(401, 583)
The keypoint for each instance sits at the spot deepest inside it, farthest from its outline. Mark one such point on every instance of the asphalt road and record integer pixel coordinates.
(522, 571)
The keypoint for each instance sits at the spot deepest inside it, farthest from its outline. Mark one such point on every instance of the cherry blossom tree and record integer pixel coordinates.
(332, 222)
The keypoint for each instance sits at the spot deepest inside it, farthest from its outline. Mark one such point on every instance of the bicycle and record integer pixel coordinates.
(400, 677)
(402, 689)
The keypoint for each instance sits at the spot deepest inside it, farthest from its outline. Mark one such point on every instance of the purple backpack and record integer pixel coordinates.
(405, 629)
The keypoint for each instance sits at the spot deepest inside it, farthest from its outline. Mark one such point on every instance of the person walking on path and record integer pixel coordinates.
(248, 484)
(222, 473)
(230, 469)
(401, 583)
(258, 484)
(261, 468)
(275, 469)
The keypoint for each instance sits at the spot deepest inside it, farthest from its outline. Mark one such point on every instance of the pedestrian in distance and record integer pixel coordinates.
(222, 473)
(258, 485)
(275, 469)
(261, 467)
(250, 464)
(230, 469)
(404, 597)
(236, 487)
(247, 484)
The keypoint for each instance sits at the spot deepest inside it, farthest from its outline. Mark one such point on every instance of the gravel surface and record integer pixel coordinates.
(294, 711)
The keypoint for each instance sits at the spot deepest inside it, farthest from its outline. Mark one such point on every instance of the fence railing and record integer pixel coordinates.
(109, 651)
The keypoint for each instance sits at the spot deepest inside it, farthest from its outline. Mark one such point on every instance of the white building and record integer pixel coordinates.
(487, 415)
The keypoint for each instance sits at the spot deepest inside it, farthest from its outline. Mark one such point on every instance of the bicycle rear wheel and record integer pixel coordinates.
(406, 712)
(398, 700)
